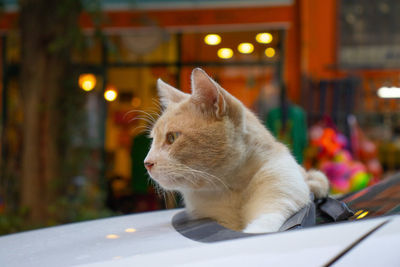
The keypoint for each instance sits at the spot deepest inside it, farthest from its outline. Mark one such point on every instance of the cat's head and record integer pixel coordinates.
(195, 140)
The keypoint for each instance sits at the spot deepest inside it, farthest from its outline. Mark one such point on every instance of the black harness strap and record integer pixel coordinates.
(333, 210)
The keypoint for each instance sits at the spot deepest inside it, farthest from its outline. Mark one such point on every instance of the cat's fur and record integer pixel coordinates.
(225, 163)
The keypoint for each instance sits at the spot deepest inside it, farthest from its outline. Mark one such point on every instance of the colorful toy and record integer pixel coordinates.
(359, 180)
(329, 150)
(346, 176)
(327, 140)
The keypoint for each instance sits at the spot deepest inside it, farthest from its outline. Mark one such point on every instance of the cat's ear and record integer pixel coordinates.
(168, 94)
(207, 93)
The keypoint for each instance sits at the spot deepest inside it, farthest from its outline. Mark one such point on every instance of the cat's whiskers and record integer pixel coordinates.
(206, 176)
(195, 175)
(155, 113)
(171, 172)
(191, 179)
(164, 198)
(147, 120)
(157, 103)
(159, 190)
(141, 129)
(190, 175)
(150, 117)
(167, 172)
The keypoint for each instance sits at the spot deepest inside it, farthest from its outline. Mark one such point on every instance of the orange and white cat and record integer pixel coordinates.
(225, 163)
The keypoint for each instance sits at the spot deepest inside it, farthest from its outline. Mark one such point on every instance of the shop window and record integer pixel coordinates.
(155, 46)
(88, 50)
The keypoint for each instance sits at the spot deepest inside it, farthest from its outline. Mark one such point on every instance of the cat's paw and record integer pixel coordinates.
(266, 223)
(257, 228)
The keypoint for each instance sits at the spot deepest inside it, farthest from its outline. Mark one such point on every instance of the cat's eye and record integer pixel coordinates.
(171, 137)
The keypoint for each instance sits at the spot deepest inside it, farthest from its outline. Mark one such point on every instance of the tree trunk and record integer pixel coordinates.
(45, 51)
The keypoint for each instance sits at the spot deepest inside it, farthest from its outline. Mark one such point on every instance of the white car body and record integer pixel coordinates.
(149, 239)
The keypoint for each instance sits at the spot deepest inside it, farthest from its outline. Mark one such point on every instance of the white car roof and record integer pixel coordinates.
(149, 239)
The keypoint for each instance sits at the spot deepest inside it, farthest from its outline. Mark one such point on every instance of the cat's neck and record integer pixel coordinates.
(223, 206)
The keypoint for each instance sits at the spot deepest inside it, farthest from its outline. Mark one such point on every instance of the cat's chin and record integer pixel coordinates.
(167, 184)
(177, 184)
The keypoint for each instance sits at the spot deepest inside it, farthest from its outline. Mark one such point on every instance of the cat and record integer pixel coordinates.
(213, 150)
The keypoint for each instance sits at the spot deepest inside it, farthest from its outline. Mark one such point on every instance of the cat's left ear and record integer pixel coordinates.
(207, 93)
(168, 94)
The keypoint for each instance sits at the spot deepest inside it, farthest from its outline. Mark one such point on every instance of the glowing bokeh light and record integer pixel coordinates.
(358, 212)
(225, 53)
(130, 230)
(87, 81)
(112, 236)
(246, 48)
(264, 38)
(362, 215)
(212, 39)
(270, 52)
(389, 92)
(110, 94)
(136, 102)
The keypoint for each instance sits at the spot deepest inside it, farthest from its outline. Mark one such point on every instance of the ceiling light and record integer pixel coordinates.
(212, 39)
(246, 48)
(225, 53)
(264, 38)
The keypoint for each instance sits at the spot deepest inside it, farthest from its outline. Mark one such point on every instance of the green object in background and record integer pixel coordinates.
(295, 135)
(140, 147)
(359, 181)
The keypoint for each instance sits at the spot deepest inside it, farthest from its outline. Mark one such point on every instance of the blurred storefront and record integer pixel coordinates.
(243, 46)
(306, 47)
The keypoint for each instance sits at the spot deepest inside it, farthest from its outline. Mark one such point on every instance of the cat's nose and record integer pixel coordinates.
(148, 165)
